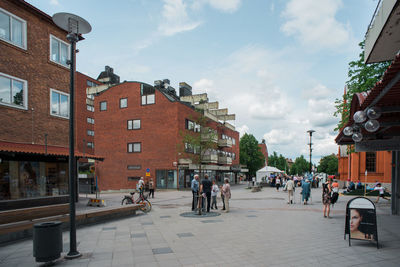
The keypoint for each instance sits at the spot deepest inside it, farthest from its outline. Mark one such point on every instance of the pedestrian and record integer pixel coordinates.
(226, 190)
(195, 190)
(381, 190)
(214, 193)
(290, 189)
(206, 189)
(335, 192)
(326, 197)
(278, 183)
(306, 190)
(222, 198)
(151, 187)
(140, 186)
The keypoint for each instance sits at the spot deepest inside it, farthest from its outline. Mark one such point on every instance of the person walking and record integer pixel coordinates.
(278, 183)
(195, 190)
(381, 194)
(140, 186)
(151, 187)
(326, 197)
(206, 189)
(335, 192)
(214, 193)
(290, 189)
(222, 198)
(306, 190)
(226, 190)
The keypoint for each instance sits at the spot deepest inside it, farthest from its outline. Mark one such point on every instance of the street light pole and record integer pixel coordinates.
(75, 26)
(310, 132)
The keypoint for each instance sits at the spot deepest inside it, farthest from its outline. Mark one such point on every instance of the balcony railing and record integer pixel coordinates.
(209, 137)
(224, 143)
(224, 160)
(210, 159)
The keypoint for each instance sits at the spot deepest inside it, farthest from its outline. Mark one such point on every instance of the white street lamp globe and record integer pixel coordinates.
(357, 137)
(359, 116)
(348, 131)
(372, 126)
(374, 113)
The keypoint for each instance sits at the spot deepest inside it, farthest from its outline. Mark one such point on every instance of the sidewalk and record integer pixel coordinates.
(260, 230)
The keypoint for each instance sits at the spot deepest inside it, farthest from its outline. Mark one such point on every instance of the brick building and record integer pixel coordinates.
(264, 151)
(34, 107)
(139, 131)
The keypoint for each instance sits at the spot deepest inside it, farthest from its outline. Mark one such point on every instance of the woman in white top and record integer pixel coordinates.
(381, 190)
(214, 193)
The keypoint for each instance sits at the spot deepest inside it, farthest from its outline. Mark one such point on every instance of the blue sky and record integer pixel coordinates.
(278, 65)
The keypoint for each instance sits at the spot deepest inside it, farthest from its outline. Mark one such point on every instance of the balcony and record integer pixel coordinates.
(210, 159)
(224, 143)
(224, 160)
(209, 135)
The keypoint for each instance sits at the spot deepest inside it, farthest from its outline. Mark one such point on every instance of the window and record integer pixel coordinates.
(370, 161)
(123, 103)
(134, 178)
(90, 144)
(59, 51)
(233, 141)
(90, 83)
(13, 91)
(103, 105)
(59, 105)
(133, 124)
(90, 132)
(12, 29)
(90, 96)
(134, 147)
(134, 167)
(90, 108)
(148, 94)
(90, 120)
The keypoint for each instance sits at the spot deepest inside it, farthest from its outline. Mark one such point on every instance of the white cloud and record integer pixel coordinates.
(175, 18)
(225, 5)
(314, 23)
(242, 130)
(279, 137)
(54, 3)
(204, 85)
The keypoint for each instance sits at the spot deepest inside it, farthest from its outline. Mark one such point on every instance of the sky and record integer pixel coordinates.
(278, 65)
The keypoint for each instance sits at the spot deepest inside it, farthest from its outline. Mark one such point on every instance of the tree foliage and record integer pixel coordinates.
(362, 77)
(250, 154)
(328, 164)
(300, 166)
(278, 161)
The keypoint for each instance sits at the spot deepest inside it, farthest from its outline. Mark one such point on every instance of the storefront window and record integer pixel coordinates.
(30, 179)
(166, 179)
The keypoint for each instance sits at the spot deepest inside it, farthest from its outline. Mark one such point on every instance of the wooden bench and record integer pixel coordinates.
(23, 220)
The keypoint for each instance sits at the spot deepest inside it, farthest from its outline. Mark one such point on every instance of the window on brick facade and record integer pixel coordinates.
(90, 144)
(59, 51)
(133, 178)
(370, 161)
(12, 29)
(59, 103)
(89, 83)
(13, 91)
(90, 120)
(148, 94)
(233, 141)
(90, 132)
(134, 147)
(133, 124)
(103, 105)
(90, 108)
(123, 103)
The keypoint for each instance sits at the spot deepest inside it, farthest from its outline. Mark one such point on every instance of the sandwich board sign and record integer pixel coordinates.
(361, 220)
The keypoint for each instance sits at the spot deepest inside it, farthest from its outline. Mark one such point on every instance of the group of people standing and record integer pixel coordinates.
(208, 190)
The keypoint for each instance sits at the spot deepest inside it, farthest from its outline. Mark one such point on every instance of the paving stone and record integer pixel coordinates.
(184, 234)
(164, 250)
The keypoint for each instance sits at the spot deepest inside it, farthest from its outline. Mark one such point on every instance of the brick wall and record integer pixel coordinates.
(34, 66)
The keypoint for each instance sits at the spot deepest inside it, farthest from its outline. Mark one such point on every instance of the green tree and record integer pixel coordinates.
(362, 77)
(300, 166)
(278, 161)
(250, 154)
(328, 164)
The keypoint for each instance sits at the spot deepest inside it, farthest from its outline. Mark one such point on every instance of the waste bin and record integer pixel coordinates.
(47, 241)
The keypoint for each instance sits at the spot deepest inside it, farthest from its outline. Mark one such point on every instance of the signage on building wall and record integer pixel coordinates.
(147, 172)
(378, 145)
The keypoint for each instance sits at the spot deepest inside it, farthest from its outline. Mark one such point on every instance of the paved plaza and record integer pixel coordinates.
(261, 230)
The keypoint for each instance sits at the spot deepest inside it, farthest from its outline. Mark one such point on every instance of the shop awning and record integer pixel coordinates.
(37, 149)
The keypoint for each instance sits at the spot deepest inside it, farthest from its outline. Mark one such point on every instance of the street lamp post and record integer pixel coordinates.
(75, 26)
(310, 132)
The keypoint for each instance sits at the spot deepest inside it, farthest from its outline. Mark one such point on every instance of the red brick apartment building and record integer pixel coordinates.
(139, 130)
(34, 107)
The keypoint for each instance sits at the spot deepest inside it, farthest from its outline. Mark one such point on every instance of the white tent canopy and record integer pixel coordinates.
(266, 171)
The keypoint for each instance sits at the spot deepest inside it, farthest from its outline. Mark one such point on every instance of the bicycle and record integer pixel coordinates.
(146, 205)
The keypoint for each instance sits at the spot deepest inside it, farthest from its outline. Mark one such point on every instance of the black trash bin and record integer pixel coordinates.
(47, 241)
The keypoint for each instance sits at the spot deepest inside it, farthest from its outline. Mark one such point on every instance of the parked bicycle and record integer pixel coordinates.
(142, 199)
